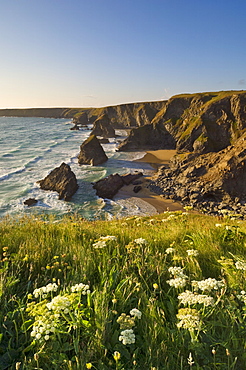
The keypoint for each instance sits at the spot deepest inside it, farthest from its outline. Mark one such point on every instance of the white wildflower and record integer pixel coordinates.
(99, 244)
(59, 303)
(189, 319)
(208, 284)
(136, 313)
(189, 298)
(170, 250)
(177, 282)
(177, 272)
(190, 360)
(141, 241)
(83, 288)
(192, 252)
(127, 336)
(240, 265)
(242, 296)
(51, 287)
(108, 238)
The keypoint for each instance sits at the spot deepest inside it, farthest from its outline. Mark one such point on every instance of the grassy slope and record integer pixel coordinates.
(121, 275)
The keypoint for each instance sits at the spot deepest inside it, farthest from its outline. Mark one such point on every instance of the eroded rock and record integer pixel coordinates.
(110, 185)
(91, 152)
(102, 127)
(62, 180)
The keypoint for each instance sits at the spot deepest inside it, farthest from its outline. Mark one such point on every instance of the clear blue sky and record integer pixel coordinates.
(83, 53)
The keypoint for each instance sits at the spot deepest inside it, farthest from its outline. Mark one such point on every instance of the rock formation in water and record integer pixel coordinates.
(203, 127)
(30, 202)
(91, 152)
(62, 180)
(102, 127)
(110, 185)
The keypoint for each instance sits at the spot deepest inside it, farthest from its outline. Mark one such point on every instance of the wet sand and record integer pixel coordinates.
(158, 204)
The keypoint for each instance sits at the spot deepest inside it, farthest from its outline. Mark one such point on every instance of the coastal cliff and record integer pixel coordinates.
(201, 122)
(207, 130)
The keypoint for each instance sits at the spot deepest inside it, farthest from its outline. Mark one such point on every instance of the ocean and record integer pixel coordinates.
(32, 147)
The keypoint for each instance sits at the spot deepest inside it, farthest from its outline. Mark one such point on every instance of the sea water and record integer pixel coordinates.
(30, 148)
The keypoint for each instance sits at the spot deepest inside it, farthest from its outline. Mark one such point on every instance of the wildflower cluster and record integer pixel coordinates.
(208, 284)
(141, 241)
(5, 253)
(240, 265)
(179, 280)
(173, 215)
(43, 329)
(83, 288)
(170, 250)
(192, 252)
(44, 290)
(127, 322)
(189, 319)
(51, 317)
(189, 298)
(58, 263)
(102, 241)
(59, 303)
(242, 296)
(127, 336)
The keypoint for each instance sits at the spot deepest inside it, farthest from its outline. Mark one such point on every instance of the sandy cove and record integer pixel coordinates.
(159, 204)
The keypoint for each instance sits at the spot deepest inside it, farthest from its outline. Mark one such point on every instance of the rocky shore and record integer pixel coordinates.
(213, 183)
(208, 131)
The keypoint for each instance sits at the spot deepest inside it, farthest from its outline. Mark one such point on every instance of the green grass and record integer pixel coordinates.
(129, 270)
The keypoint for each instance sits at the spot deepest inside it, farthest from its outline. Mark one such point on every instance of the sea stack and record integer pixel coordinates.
(61, 179)
(91, 152)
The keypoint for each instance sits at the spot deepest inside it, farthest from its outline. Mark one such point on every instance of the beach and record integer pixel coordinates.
(146, 198)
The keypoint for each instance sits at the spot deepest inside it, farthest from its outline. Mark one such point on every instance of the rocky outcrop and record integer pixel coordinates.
(110, 185)
(91, 152)
(207, 122)
(201, 123)
(209, 182)
(102, 127)
(75, 128)
(30, 202)
(148, 137)
(62, 180)
(81, 119)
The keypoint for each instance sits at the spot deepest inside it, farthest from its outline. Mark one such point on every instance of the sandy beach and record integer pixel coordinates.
(158, 204)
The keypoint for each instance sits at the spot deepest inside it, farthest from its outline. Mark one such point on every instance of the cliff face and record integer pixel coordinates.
(124, 115)
(35, 112)
(201, 122)
(211, 181)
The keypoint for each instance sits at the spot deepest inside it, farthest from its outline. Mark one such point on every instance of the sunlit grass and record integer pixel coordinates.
(145, 305)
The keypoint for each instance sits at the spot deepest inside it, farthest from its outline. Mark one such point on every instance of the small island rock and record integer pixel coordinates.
(30, 202)
(91, 152)
(62, 180)
(110, 185)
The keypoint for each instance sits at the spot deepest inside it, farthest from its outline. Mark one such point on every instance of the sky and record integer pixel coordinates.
(94, 53)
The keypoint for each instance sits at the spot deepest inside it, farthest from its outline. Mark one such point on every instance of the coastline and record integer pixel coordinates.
(157, 203)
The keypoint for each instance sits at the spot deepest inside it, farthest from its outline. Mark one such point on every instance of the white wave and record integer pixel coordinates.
(10, 174)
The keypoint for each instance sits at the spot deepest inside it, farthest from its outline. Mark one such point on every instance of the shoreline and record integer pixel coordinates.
(158, 203)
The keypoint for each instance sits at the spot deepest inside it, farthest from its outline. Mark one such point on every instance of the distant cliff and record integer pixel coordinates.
(124, 115)
(197, 122)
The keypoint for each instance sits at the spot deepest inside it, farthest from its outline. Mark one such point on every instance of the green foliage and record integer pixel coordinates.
(166, 292)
